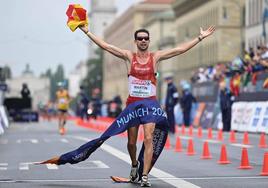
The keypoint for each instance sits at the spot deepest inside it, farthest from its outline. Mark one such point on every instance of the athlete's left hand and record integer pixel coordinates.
(207, 32)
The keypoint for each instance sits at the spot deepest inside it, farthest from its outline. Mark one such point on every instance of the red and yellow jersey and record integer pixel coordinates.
(62, 99)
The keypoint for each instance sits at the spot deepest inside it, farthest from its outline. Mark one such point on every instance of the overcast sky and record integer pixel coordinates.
(35, 32)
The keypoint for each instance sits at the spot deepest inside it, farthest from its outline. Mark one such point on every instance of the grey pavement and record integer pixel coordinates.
(25, 143)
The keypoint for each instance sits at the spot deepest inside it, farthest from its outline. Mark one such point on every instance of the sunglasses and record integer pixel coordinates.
(141, 38)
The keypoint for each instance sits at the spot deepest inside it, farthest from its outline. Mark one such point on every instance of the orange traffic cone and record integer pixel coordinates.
(190, 133)
(244, 160)
(206, 153)
(79, 121)
(262, 143)
(167, 144)
(220, 135)
(190, 150)
(178, 147)
(265, 165)
(210, 136)
(183, 129)
(245, 139)
(199, 132)
(223, 156)
(232, 137)
(177, 131)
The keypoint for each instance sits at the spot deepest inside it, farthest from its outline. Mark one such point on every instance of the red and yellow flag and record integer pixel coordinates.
(77, 16)
(265, 83)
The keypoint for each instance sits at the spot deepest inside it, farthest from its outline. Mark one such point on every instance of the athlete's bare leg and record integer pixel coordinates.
(131, 145)
(148, 146)
(60, 116)
(62, 120)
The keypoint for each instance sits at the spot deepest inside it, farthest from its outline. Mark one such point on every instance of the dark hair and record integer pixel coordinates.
(140, 31)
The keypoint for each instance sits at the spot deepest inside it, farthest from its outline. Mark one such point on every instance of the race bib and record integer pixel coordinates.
(62, 101)
(140, 88)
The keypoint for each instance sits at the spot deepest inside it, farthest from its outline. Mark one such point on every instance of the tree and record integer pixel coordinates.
(95, 74)
(7, 72)
(55, 78)
(59, 74)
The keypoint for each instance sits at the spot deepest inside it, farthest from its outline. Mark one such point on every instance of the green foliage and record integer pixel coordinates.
(55, 78)
(7, 72)
(95, 75)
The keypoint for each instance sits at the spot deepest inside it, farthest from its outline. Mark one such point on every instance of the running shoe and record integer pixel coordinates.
(145, 182)
(62, 131)
(134, 173)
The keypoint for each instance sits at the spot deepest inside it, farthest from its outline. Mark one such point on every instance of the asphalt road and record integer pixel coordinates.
(25, 143)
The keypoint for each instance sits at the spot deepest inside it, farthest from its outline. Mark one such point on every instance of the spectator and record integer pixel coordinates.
(171, 100)
(186, 104)
(201, 75)
(82, 103)
(235, 84)
(95, 103)
(25, 92)
(226, 106)
(251, 52)
(210, 73)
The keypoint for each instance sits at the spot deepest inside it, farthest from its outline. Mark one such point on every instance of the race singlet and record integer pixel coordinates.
(62, 100)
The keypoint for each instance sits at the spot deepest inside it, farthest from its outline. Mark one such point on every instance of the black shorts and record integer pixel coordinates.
(62, 111)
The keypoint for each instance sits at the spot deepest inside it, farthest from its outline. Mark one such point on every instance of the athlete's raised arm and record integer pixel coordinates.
(123, 54)
(169, 53)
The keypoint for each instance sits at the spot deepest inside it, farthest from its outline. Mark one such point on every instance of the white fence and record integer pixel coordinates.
(250, 116)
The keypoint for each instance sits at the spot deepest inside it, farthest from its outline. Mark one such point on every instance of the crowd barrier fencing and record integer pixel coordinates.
(246, 116)
(4, 123)
(250, 116)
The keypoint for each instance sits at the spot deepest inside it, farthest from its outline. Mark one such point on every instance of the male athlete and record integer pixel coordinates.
(142, 85)
(62, 105)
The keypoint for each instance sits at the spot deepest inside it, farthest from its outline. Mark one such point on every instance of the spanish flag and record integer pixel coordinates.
(77, 16)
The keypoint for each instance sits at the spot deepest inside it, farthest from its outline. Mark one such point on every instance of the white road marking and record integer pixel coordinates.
(100, 164)
(24, 166)
(108, 179)
(211, 141)
(159, 174)
(242, 145)
(185, 137)
(52, 167)
(3, 141)
(34, 141)
(3, 166)
(90, 165)
(64, 140)
(226, 178)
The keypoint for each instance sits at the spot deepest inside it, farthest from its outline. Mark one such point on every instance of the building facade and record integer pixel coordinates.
(101, 14)
(39, 88)
(121, 33)
(171, 28)
(222, 47)
(162, 28)
(75, 78)
(254, 30)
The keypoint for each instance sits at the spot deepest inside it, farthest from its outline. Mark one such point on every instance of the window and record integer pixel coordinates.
(224, 13)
